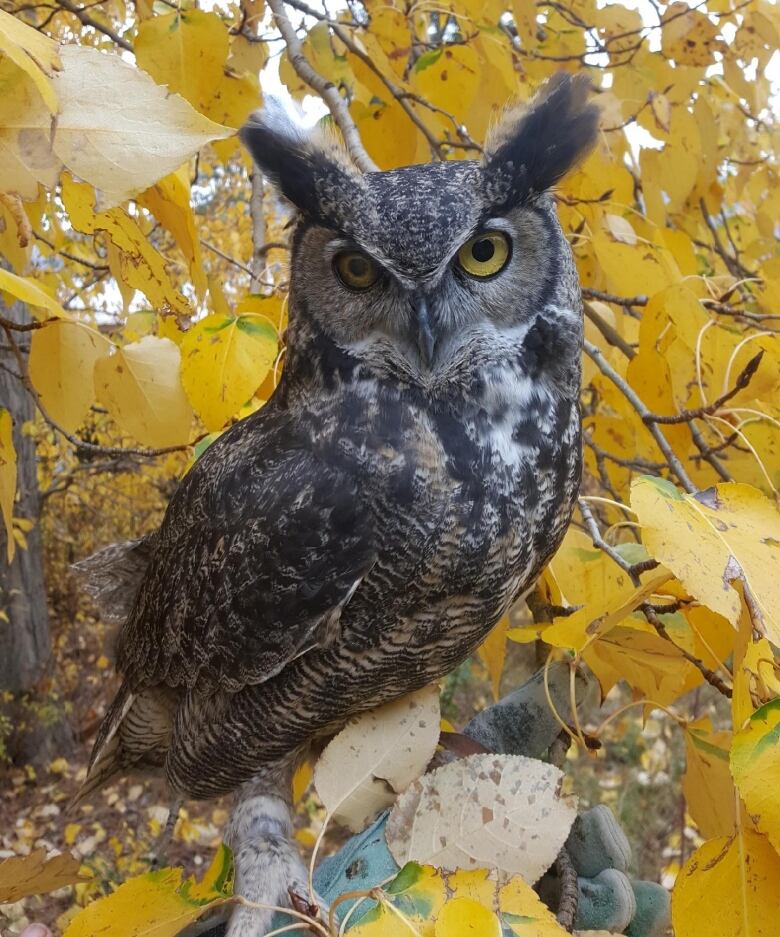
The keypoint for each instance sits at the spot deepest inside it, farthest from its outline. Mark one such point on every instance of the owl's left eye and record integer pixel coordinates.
(485, 254)
(356, 270)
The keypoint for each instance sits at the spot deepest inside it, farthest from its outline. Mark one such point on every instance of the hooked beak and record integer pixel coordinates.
(425, 339)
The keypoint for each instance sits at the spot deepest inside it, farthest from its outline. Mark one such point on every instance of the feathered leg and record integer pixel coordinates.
(267, 861)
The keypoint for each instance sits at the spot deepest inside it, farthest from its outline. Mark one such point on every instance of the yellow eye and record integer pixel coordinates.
(355, 270)
(485, 255)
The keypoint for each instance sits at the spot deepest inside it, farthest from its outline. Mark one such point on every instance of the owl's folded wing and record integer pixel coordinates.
(258, 554)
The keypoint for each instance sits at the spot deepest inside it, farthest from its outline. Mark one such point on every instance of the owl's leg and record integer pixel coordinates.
(268, 866)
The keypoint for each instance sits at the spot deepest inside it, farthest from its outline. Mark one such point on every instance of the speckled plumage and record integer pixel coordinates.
(360, 535)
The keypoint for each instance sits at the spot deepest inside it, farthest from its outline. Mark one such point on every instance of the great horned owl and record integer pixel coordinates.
(359, 536)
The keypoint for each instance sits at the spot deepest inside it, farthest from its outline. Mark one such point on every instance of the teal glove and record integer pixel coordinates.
(521, 723)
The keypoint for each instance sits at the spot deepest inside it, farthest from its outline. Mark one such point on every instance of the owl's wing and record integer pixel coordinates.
(261, 548)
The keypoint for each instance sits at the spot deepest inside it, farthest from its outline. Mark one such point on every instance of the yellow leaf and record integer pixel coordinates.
(523, 912)
(493, 654)
(756, 675)
(114, 258)
(30, 292)
(141, 388)
(755, 765)
(185, 50)
(62, 358)
(14, 239)
(158, 904)
(689, 36)
(419, 893)
(7, 479)
(25, 150)
(141, 266)
(234, 100)
(729, 888)
(126, 147)
(448, 77)
(725, 535)
(629, 269)
(678, 163)
(32, 51)
(169, 202)
(301, 780)
(587, 624)
(224, 361)
(653, 667)
(650, 376)
(707, 784)
(463, 917)
(35, 874)
(662, 110)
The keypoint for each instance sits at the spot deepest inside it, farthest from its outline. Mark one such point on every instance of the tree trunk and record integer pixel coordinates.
(24, 637)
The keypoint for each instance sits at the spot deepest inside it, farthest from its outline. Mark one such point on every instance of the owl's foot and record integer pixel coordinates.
(269, 870)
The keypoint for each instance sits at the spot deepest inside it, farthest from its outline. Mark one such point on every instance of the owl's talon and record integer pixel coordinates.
(302, 905)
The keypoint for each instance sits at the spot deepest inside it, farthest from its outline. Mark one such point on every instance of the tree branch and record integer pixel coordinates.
(87, 20)
(326, 89)
(685, 416)
(80, 444)
(628, 392)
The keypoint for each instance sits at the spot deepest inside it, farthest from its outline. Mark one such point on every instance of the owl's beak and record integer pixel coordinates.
(425, 340)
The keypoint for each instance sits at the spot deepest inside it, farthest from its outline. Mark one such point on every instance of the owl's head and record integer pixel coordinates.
(402, 269)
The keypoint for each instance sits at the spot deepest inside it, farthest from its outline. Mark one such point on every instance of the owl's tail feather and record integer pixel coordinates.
(113, 575)
(106, 759)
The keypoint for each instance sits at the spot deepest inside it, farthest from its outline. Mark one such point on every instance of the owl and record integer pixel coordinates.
(358, 537)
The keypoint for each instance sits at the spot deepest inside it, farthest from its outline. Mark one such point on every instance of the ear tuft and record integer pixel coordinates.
(308, 167)
(534, 146)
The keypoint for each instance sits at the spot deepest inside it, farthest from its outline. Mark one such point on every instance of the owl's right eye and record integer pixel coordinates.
(356, 270)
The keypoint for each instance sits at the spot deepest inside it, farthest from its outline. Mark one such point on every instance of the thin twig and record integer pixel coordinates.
(709, 675)
(68, 256)
(608, 331)
(685, 416)
(25, 326)
(231, 260)
(663, 444)
(80, 444)
(589, 293)
(87, 20)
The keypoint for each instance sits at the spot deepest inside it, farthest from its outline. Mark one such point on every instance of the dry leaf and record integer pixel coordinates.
(126, 139)
(377, 756)
(484, 811)
(620, 228)
(32, 51)
(35, 874)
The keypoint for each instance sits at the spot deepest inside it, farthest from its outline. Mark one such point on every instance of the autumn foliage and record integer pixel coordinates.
(152, 269)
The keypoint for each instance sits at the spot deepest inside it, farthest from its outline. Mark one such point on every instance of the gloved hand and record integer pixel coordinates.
(522, 724)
